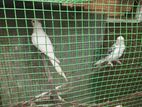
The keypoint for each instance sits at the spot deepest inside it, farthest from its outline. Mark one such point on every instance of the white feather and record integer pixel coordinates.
(116, 51)
(41, 40)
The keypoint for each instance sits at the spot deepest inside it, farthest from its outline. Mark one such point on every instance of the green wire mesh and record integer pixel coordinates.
(59, 1)
(81, 34)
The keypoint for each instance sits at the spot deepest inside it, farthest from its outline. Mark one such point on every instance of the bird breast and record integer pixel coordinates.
(120, 50)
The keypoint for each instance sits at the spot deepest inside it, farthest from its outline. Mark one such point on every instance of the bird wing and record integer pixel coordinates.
(47, 48)
(108, 56)
(111, 49)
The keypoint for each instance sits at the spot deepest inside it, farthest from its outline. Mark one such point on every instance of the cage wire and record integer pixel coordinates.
(81, 32)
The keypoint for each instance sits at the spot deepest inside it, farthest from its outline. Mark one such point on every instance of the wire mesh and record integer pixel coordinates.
(81, 33)
(59, 1)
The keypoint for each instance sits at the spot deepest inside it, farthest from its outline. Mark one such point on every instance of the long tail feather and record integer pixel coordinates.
(57, 60)
(100, 61)
(58, 69)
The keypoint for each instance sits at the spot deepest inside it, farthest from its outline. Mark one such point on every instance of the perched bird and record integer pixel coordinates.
(114, 53)
(41, 41)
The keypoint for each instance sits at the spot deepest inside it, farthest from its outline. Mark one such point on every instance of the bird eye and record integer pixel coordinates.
(33, 21)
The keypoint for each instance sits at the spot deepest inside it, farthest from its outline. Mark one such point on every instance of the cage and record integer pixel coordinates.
(44, 41)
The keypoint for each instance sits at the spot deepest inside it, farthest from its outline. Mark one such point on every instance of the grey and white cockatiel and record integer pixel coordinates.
(115, 52)
(41, 41)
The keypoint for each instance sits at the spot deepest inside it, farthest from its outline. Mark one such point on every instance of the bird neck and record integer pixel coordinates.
(120, 43)
(37, 28)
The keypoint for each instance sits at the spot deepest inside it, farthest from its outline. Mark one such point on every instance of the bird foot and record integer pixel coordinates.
(110, 63)
(118, 62)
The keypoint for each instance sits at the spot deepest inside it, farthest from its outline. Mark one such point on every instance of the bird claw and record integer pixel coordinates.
(110, 63)
(118, 62)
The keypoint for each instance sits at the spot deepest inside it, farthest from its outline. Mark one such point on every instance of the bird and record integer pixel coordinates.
(114, 53)
(41, 41)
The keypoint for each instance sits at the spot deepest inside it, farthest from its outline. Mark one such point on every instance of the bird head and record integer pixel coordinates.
(120, 40)
(36, 23)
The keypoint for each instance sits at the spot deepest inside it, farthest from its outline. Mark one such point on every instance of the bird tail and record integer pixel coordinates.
(58, 69)
(57, 60)
(100, 61)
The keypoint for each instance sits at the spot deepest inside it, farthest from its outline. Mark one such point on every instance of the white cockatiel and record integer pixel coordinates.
(41, 41)
(115, 52)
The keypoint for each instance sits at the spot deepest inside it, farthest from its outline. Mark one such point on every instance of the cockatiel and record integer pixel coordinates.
(115, 52)
(41, 41)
